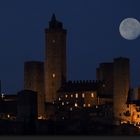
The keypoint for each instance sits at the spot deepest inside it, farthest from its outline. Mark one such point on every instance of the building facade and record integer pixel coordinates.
(77, 94)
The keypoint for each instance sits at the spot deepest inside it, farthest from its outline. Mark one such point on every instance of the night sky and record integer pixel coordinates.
(93, 36)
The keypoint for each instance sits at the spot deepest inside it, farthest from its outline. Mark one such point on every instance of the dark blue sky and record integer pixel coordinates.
(93, 36)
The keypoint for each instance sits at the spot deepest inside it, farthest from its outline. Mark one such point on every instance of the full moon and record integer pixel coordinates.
(130, 28)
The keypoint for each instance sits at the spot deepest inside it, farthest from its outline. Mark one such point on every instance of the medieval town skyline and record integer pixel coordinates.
(50, 104)
(93, 37)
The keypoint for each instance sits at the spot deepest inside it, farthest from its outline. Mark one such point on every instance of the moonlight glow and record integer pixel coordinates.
(130, 28)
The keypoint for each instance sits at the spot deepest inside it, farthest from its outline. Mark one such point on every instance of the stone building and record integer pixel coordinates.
(83, 96)
(78, 94)
(34, 80)
(55, 59)
(116, 77)
(121, 87)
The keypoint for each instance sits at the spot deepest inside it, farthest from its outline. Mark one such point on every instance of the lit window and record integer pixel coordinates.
(84, 105)
(96, 106)
(76, 104)
(62, 103)
(2, 96)
(88, 105)
(71, 95)
(71, 109)
(67, 103)
(92, 95)
(40, 117)
(66, 95)
(76, 95)
(59, 99)
(8, 116)
(53, 75)
(83, 95)
(63, 118)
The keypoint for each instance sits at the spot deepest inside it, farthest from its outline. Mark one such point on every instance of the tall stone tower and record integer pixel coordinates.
(121, 87)
(34, 80)
(55, 59)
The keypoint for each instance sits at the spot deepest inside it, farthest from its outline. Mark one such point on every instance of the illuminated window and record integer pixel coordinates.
(2, 96)
(8, 116)
(88, 105)
(53, 75)
(71, 109)
(84, 105)
(67, 103)
(96, 106)
(62, 103)
(83, 95)
(40, 117)
(71, 95)
(76, 104)
(76, 95)
(59, 99)
(92, 95)
(63, 118)
(66, 95)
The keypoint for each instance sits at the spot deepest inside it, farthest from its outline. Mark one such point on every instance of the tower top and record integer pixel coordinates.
(53, 17)
(55, 24)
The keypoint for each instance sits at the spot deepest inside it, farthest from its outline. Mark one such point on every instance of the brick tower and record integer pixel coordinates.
(55, 58)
